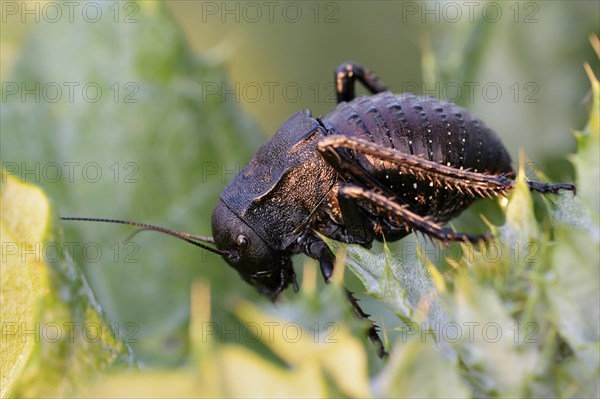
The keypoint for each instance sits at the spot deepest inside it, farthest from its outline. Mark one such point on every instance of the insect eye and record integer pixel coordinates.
(242, 241)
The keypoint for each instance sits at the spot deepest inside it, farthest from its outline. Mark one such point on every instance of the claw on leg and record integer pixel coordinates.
(545, 188)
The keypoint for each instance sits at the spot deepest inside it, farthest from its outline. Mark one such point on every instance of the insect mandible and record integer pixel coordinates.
(378, 166)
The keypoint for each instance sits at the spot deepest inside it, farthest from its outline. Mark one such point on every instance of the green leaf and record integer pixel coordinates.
(488, 341)
(54, 333)
(406, 287)
(587, 160)
(311, 337)
(23, 223)
(153, 147)
(572, 288)
(582, 211)
(417, 369)
(322, 347)
(520, 226)
(573, 285)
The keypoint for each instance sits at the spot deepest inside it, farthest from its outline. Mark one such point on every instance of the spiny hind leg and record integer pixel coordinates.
(335, 150)
(463, 181)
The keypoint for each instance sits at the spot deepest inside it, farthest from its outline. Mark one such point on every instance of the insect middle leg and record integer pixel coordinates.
(373, 333)
(345, 77)
(317, 249)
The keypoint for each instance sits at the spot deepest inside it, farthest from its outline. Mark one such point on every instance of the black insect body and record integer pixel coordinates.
(377, 166)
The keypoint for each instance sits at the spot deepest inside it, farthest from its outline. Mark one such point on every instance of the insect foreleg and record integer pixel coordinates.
(317, 249)
(372, 333)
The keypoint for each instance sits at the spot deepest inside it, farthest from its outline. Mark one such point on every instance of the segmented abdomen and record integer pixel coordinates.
(435, 130)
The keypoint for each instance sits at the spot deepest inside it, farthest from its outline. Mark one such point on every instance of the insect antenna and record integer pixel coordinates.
(189, 238)
(193, 237)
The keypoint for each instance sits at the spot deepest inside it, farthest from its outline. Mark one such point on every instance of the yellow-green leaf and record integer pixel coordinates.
(23, 224)
(417, 369)
(54, 333)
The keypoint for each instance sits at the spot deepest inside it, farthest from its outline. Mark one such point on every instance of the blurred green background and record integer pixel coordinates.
(166, 142)
(502, 45)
